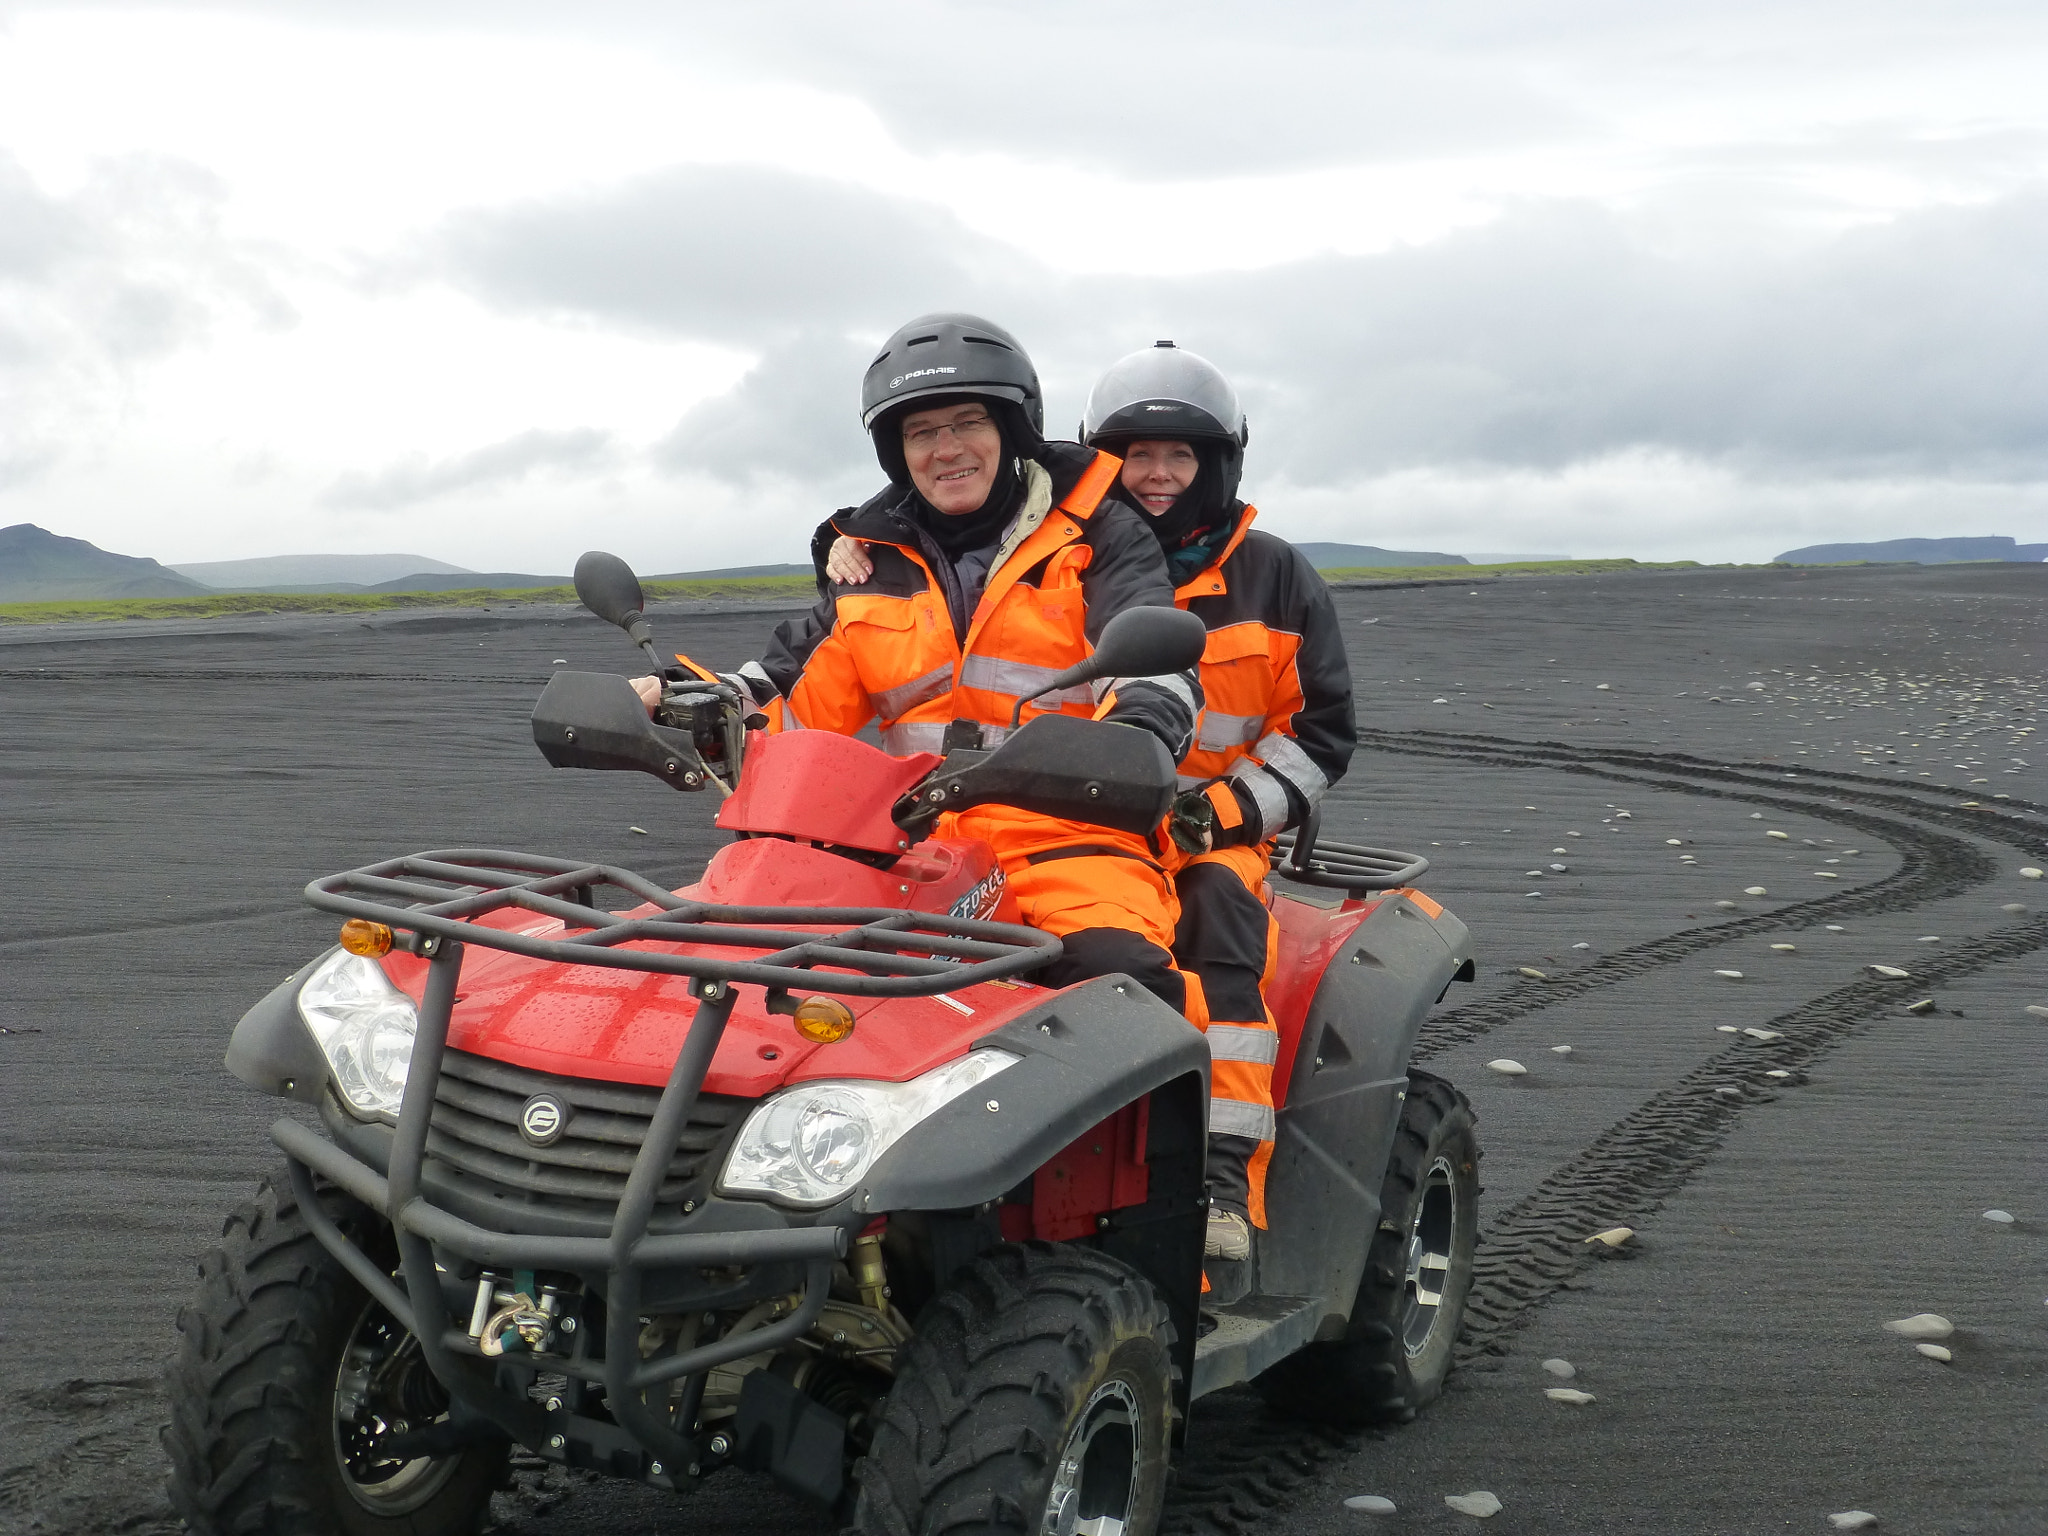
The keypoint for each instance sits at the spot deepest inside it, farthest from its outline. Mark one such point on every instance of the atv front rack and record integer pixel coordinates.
(440, 898)
(1349, 867)
(875, 952)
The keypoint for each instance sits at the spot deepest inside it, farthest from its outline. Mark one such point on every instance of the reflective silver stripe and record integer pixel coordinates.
(1018, 680)
(1243, 1042)
(1283, 755)
(905, 697)
(1188, 780)
(1221, 731)
(760, 687)
(908, 736)
(1266, 793)
(1234, 1117)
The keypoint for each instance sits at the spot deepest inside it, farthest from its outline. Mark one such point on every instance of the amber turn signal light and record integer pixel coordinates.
(360, 936)
(824, 1019)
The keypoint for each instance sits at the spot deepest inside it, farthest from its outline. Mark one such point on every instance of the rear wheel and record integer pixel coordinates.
(288, 1383)
(1411, 1300)
(1036, 1396)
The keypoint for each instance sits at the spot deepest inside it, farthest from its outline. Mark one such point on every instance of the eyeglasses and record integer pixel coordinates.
(964, 428)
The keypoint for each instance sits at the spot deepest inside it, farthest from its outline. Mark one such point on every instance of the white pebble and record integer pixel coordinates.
(1567, 1395)
(1604, 687)
(641, 830)
(1930, 938)
(1557, 850)
(1560, 1050)
(1582, 945)
(2037, 1010)
(1786, 949)
(1777, 1072)
(1563, 1370)
(1786, 836)
(1756, 815)
(1922, 1325)
(1935, 1352)
(1825, 874)
(1480, 1503)
(1613, 1237)
(1532, 893)
(1439, 701)
(1532, 973)
(1853, 1520)
(1727, 1029)
(1754, 890)
(1369, 1503)
(1892, 972)
(1674, 842)
(1836, 928)
(561, 661)
(1725, 906)
(1624, 816)
(1731, 975)
(1764, 1034)
(2003, 1218)
(2030, 874)
(1560, 869)
(1506, 1067)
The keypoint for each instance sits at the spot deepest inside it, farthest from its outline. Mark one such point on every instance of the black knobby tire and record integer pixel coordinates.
(256, 1441)
(1396, 1353)
(1037, 1394)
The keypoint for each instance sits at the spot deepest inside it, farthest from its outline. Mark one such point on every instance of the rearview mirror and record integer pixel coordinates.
(606, 585)
(1139, 642)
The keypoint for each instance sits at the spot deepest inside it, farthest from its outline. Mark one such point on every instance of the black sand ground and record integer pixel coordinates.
(166, 789)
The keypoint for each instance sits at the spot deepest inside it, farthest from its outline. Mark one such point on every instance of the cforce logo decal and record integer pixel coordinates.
(543, 1119)
(982, 900)
(918, 373)
(1162, 407)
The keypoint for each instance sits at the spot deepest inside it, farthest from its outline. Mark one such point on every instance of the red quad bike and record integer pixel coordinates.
(795, 1168)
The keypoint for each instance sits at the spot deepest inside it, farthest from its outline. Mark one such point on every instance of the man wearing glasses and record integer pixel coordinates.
(997, 562)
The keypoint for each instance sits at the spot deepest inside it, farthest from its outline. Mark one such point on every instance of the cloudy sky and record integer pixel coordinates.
(499, 282)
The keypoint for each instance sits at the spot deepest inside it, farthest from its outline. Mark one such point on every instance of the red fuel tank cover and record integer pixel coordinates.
(823, 787)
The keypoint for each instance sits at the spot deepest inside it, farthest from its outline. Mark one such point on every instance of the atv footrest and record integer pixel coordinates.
(1251, 1335)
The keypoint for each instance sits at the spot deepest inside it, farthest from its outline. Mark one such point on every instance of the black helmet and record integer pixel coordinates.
(950, 355)
(1167, 394)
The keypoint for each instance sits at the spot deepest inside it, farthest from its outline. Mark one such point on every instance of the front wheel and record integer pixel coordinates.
(288, 1382)
(1396, 1353)
(1037, 1396)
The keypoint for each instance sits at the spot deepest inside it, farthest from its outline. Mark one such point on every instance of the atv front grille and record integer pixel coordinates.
(476, 1143)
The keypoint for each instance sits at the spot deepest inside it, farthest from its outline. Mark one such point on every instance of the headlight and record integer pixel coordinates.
(365, 1028)
(813, 1144)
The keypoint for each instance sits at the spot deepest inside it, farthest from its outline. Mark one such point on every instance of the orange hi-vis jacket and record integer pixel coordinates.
(1277, 708)
(908, 648)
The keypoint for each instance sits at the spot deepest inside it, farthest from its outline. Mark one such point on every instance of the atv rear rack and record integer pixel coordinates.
(876, 952)
(1349, 867)
(439, 898)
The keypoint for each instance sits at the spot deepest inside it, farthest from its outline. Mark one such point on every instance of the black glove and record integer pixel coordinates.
(1192, 822)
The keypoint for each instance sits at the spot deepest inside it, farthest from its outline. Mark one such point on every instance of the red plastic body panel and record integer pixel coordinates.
(626, 1026)
(1310, 937)
(951, 875)
(824, 788)
(1103, 1171)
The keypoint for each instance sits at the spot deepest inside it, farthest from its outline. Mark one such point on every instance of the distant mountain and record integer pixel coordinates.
(338, 573)
(1339, 557)
(736, 573)
(38, 566)
(1916, 552)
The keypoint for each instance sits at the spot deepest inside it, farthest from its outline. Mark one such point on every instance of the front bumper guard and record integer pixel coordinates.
(623, 1258)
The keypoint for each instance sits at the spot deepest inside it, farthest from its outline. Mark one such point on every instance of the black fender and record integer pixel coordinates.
(1344, 1098)
(1086, 1052)
(271, 1048)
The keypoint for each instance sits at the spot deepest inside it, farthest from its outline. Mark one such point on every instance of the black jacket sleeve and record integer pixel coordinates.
(1126, 570)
